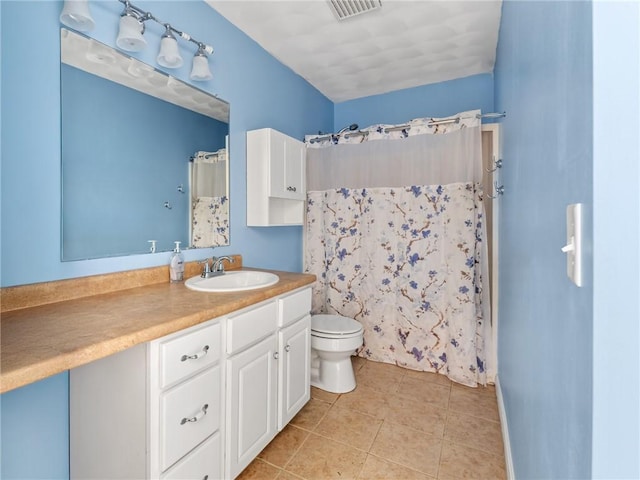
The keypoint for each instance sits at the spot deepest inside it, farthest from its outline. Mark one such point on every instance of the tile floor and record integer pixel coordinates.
(397, 424)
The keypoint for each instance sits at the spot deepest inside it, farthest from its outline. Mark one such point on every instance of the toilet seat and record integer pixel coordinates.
(334, 326)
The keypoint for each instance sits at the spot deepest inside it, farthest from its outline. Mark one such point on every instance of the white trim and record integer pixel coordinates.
(505, 432)
(494, 128)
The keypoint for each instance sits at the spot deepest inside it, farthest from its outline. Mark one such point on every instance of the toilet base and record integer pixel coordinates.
(335, 376)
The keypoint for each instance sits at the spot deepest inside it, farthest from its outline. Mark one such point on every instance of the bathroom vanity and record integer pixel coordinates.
(166, 382)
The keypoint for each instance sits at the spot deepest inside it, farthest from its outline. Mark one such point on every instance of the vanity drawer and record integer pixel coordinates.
(189, 413)
(295, 306)
(204, 462)
(250, 326)
(184, 355)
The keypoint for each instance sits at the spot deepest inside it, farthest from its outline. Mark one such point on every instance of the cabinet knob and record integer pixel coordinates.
(276, 355)
(196, 356)
(196, 417)
(287, 348)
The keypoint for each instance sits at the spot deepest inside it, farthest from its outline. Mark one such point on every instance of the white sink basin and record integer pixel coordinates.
(234, 281)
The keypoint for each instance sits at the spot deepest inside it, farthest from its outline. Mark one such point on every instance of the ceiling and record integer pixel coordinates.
(403, 44)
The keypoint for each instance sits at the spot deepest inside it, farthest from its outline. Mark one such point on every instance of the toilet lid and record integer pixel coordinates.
(334, 324)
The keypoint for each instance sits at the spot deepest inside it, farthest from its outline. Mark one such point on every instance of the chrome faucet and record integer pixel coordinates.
(218, 266)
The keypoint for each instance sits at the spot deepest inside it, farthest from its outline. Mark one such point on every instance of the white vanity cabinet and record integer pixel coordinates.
(276, 178)
(267, 376)
(151, 411)
(197, 404)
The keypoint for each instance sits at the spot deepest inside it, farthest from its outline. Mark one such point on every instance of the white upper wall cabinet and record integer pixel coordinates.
(276, 185)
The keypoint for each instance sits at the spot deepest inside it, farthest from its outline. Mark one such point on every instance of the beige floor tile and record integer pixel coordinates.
(424, 391)
(459, 461)
(408, 447)
(357, 362)
(323, 459)
(379, 469)
(429, 377)
(380, 375)
(415, 425)
(349, 426)
(284, 446)
(474, 432)
(489, 390)
(416, 414)
(365, 399)
(311, 414)
(284, 475)
(259, 470)
(328, 397)
(471, 401)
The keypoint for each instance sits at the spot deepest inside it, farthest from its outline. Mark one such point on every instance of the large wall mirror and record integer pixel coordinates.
(144, 157)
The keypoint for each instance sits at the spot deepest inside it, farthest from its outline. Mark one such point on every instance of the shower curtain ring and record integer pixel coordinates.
(497, 164)
(499, 189)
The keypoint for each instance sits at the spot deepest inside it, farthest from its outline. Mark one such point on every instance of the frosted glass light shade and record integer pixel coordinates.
(130, 34)
(169, 55)
(75, 14)
(200, 69)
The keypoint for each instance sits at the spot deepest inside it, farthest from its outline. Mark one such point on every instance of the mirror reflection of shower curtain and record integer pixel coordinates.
(395, 236)
(209, 199)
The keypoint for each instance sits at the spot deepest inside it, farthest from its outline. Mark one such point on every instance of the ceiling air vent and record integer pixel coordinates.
(344, 9)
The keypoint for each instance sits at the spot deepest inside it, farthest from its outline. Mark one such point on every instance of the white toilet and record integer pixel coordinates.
(333, 339)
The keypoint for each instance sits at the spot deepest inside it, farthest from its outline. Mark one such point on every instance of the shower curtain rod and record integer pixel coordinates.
(408, 126)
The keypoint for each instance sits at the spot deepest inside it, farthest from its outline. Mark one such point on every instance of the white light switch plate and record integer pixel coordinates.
(573, 248)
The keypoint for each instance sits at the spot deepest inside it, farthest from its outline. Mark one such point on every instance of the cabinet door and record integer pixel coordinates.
(251, 403)
(294, 369)
(287, 167)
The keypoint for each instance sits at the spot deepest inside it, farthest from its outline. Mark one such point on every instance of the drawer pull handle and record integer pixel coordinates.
(197, 417)
(287, 348)
(205, 350)
(291, 189)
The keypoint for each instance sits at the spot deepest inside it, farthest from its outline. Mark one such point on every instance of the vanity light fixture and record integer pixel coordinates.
(169, 55)
(130, 36)
(75, 14)
(200, 68)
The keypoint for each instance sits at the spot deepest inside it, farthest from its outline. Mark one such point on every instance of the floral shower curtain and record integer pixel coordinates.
(209, 201)
(395, 235)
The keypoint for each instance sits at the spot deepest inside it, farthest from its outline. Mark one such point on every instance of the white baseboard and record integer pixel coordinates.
(505, 432)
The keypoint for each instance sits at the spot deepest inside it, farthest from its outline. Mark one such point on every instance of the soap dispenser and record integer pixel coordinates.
(176, 266)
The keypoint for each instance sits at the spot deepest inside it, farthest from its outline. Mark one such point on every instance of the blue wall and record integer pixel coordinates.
(616, 187)
(543, 80)
(435, 100)
(262, 93)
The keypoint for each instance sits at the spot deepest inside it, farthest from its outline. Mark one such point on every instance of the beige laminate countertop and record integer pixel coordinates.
(41, 341)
